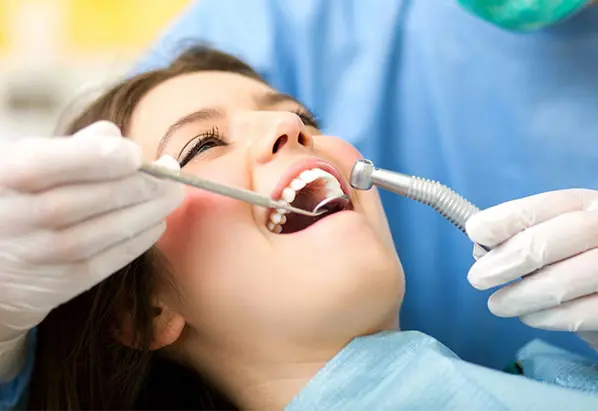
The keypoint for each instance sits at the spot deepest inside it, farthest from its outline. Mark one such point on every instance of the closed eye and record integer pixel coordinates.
(201, 144)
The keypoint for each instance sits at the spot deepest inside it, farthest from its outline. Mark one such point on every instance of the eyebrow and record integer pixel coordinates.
(196, 116)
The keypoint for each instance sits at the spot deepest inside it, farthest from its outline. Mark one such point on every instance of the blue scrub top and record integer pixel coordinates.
(423, 87)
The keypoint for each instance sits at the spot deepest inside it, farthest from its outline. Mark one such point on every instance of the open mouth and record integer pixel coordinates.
(306, 190)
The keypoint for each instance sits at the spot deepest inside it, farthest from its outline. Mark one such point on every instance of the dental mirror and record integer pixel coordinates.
(330, 204)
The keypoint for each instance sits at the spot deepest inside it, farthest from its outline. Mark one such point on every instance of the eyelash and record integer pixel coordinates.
(213, 136)
(200, 142)
(308, 118)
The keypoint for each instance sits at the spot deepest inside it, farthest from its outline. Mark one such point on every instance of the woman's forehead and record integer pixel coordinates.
(186, 93)
(180, 96)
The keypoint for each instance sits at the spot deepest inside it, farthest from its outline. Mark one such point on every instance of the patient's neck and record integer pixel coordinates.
(268, 376)
(273, 386)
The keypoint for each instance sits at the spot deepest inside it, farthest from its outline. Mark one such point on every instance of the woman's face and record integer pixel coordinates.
(244, 284)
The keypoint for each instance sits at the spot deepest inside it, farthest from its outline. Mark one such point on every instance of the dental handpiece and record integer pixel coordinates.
(448, 203)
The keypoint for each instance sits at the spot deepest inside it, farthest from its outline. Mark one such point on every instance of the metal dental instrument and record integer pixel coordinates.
(449, 204)
(329, 204)
(232, 192)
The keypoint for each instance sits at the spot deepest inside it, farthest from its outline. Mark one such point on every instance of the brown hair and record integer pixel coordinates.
(78, 362)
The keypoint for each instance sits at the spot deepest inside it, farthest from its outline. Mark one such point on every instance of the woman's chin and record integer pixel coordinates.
(361, 283)
(344, 247)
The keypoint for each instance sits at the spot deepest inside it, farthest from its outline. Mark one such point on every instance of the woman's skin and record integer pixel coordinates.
(260, 313)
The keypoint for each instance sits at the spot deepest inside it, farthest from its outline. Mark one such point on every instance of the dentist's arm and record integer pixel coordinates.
(72, 212)
(550, 241)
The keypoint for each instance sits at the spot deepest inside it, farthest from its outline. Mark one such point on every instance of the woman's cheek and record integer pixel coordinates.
(345, 155)
(339, 151)
(182, 223)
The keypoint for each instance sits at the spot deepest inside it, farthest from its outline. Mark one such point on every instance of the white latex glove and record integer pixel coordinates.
(72, 212)
(551, 240)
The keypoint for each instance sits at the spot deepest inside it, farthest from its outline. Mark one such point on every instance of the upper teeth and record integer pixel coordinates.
(332, 189)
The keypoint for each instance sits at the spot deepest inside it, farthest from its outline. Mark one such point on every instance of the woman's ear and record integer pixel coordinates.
(166, 327)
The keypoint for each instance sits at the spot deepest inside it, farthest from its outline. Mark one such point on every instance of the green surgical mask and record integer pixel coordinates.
(523, 15)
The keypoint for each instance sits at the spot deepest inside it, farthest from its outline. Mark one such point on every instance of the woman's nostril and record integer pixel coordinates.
(302, 139)
(279, 143)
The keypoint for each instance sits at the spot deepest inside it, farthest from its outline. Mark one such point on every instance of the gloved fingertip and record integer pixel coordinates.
(478, 252)
(473, 227)
(161, 228)
(476, 281)
(497, 306)
(169, 162)
(491, 226)
(539, 320)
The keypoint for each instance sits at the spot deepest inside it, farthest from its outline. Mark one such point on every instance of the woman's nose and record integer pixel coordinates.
(281, 131)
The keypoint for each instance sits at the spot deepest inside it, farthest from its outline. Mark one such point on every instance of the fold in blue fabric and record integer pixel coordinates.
(544, 362)
(410, 370)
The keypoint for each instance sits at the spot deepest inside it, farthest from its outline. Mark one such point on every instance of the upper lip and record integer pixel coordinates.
(307, 164)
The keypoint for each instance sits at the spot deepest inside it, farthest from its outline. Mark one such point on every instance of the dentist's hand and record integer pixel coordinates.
(72, 212)
(551, 240)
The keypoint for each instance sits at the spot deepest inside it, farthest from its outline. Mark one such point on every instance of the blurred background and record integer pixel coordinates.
(53, 51)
